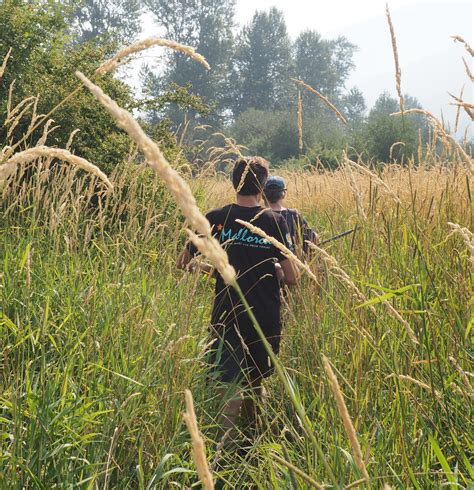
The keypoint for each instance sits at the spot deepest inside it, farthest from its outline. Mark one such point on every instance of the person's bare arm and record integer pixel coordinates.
(290, 275)
(184, 259)
(189, 263)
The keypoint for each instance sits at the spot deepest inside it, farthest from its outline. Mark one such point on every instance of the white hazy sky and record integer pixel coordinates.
(431, 62)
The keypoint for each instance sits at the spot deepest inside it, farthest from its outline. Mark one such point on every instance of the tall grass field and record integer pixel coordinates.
(101, 335)
(103, 375)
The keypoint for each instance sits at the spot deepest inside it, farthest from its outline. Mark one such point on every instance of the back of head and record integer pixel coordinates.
(275, 189)
(249, 175)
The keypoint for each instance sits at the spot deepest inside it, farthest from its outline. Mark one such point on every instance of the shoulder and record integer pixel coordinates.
(297, 215)
(293, 212)
(217, 213)
(276, 222)
(271, 216)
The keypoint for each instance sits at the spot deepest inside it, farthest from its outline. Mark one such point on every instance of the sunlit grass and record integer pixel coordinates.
(101, 335)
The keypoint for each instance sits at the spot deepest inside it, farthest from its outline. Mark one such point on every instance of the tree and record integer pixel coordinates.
(271, 134)
(207, 26)
(117, 20)
(43, 62)
(262, 64)
(353, 105)
(323, 64)
(384, 130)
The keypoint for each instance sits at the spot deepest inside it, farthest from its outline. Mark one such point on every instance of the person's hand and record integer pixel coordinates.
(279, 272)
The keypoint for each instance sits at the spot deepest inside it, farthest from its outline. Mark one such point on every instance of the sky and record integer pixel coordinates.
(430, 61)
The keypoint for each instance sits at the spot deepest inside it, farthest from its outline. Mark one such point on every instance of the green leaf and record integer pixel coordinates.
(24, 257)
(442, 460)
(386, 296)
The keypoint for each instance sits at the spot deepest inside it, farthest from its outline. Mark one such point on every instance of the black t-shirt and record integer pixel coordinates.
(254, 260)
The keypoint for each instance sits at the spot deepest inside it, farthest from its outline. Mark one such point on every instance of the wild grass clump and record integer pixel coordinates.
(101, 337)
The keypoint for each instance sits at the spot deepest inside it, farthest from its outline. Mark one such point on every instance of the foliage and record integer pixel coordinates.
(42, 60)
(383, 130)
(262, 64)
(272, 135)
(113, 20)
(209, 30)
(322, 64)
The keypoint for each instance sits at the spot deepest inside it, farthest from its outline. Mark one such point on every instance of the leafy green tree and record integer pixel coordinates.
(117, 20)
(272, 134)
(353, 105)
(44, 62)
(263, 65)
(384, 130)
(207, 26)
(323, 64)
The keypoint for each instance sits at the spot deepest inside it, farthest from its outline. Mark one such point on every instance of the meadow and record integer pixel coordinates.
(101, 335)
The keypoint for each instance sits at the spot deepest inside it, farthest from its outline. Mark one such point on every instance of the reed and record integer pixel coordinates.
(116, 60)
(4, 62)
(461, 40)
(331, 106)
(300, 122)
(343, 412)
(198, 449)
(398, 70)
(41, 152)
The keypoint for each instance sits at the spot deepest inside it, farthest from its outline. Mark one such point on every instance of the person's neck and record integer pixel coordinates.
(248, 201)
(277, 206)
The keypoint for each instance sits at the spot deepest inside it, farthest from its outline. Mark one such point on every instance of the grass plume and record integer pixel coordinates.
(116, 60)
(198, 449)
(178, 187)
(398, 70)
(331, 106)
(346, 419)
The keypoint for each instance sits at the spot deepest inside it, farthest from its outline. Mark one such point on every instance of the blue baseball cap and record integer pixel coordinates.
(275, 182)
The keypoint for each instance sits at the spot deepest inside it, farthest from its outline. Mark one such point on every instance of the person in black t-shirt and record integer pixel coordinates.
(238, 355)
(275, 192)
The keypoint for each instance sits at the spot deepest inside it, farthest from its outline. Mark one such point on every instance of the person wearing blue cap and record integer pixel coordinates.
(275, 192)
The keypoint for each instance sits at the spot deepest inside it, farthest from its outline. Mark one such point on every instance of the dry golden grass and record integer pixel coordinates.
(116, 60)
(198, 450)
(41, 152)
(416, 382)
(398, 70)
(300, 122)
(468, 108)
(438, 126)
(461, 40)
(468, 70)
(331, 190)
(182, 194)
(323, 98)
(4, 63)
(346, 419)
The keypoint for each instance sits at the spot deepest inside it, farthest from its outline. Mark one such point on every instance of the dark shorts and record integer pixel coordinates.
(241, 358)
